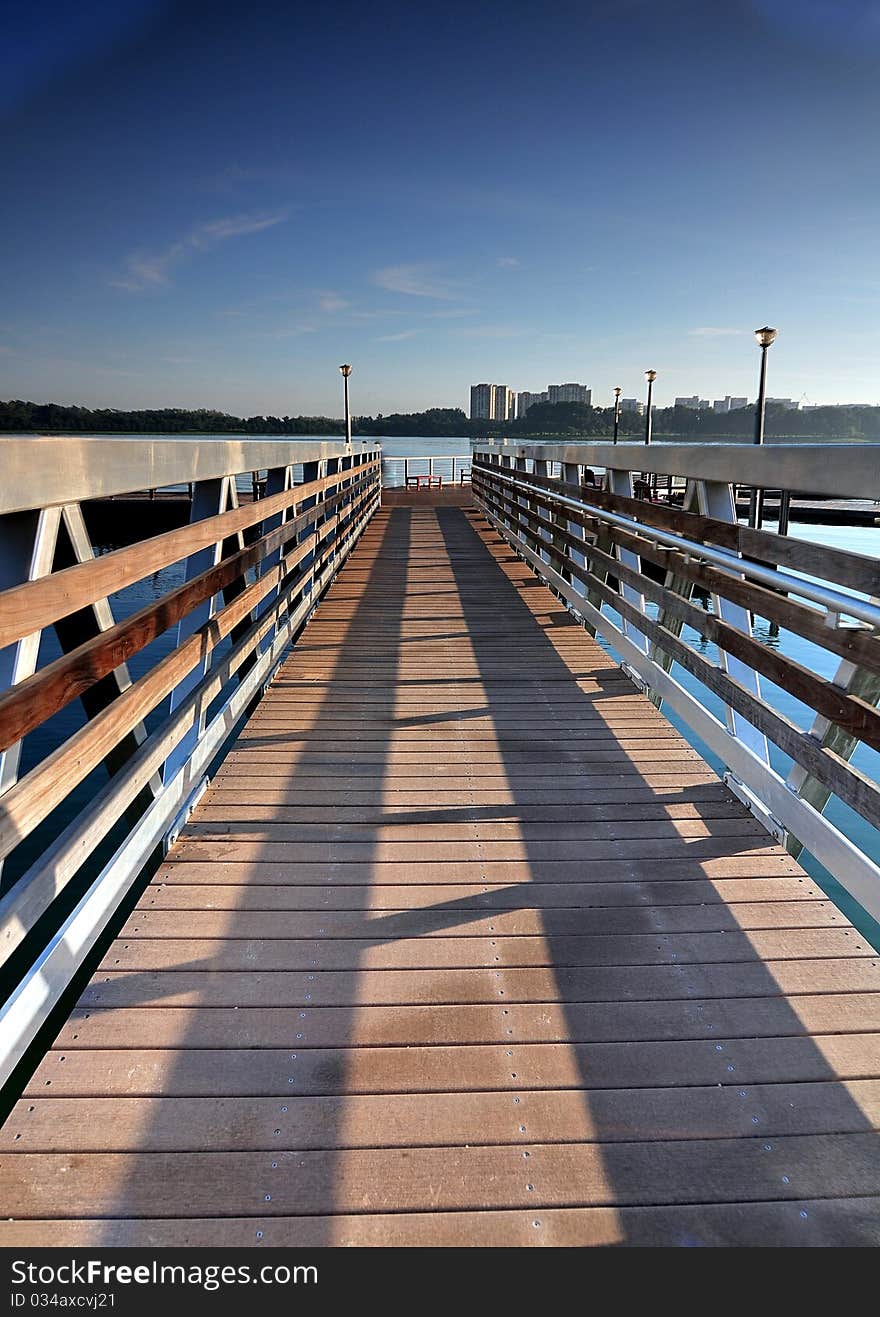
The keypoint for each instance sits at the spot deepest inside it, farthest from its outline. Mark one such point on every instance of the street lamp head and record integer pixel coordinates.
(346, 370)
(617, 391)
(766, 336)
(650, 376)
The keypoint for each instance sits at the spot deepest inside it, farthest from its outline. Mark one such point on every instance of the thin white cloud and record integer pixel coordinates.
(490, 331)
(398, 338)
(506, 262)
(291, 331)
(415, 281)
(153, 270)
(452, 314)
(709, 331)
(331, 302)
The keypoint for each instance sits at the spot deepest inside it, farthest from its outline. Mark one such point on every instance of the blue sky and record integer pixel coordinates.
(209, 205)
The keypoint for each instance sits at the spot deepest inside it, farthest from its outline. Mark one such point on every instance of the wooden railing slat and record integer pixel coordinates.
(858, 644)
(36, 604)
(34, 892)
(36, 794)
(30, 702)
(851, 786)
(841, 566)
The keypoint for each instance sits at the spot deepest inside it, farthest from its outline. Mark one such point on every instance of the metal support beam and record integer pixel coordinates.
(716, 499)
(210, 497)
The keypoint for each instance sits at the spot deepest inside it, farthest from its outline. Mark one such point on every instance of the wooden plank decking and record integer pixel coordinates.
(464, 945)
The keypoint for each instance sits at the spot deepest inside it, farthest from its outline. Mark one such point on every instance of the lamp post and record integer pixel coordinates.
(650, 376)
(764, 338)
(346, 371)
(617, 393)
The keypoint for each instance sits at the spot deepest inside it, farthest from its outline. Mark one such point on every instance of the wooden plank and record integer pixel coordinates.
(697, 783)
(305, 805)
(460, 919)
(431, 1179)
(184, 1029)
(93, 1124)
(493, 872)
(459, 807)
(796, 1223)
(197, 983)
(576, 852)
(277, 1072)
(269, 828)
(167, 894)
(417, 952)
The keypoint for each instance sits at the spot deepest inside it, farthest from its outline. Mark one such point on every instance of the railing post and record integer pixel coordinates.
(678, 585)
(716, 499)
(855, 681)
(278, 480)
(210, 497)
(27, 551)
(620, 482)
(571, 475)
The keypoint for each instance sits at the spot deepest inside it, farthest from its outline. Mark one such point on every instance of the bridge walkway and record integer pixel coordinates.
(464, 944)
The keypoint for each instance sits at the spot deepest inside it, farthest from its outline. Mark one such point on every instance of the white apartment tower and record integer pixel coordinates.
(482, 400)
(525, 400)
(729, 404)
(569, 393)
(503, 403)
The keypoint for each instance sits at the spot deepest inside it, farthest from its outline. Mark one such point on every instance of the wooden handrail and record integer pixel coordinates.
(36, 604)
(820, 694)
(30, 702)
(35, 891)
(832, 702)
(858, 644)
(36, 794)
(843, 566)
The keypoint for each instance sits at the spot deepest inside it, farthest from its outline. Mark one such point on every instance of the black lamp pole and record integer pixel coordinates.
(616, 412)
(650, 376)
(346, 371)
(764, 338)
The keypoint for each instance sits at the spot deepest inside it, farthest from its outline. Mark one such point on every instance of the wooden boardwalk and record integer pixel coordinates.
(464, 945)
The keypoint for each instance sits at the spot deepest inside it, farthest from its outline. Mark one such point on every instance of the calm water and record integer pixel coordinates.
(861, 540)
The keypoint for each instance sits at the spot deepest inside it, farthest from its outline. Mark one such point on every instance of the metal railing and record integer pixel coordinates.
(252, 574)
(630, 568)
(449, 470)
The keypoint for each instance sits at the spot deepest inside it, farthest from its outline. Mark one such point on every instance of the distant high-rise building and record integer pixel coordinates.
(482, 399)
(693, 404)
(569, 393)
(503, 403)
(729, 404)
(632, 405)
(790, 404)
(526, 400)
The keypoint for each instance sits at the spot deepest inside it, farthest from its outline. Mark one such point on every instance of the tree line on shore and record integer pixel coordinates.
(569, 419)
